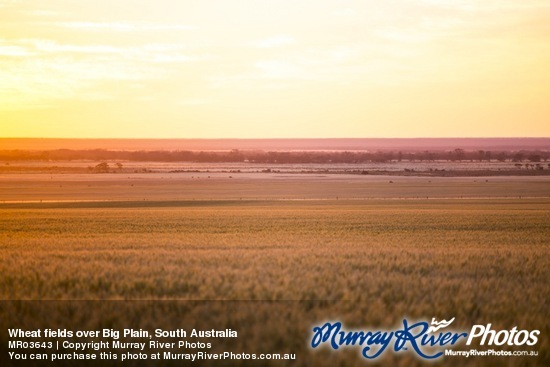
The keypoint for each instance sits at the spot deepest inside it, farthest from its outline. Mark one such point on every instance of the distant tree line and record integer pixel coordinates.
(283, 157)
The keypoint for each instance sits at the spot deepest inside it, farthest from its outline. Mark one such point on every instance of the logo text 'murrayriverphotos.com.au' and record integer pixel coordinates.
(426, 340)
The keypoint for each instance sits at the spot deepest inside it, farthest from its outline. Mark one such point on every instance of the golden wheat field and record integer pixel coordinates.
(272, 268)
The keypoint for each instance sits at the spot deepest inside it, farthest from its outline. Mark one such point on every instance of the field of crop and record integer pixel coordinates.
(274, 268)
(172, 187)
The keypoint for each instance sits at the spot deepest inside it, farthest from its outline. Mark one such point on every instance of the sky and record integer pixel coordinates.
(274, 68)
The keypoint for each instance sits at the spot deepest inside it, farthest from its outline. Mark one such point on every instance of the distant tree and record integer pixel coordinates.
(459, 154)
(101, 168)
(481, 155)
(518, 157)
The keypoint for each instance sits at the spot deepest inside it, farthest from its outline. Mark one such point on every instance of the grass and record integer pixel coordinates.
(253, 251)
(366, 263)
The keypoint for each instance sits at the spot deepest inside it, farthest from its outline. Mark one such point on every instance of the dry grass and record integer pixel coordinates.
(259, 186)
(366, 263)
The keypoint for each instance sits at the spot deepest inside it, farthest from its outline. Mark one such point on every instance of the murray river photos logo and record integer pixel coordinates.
(426, 340)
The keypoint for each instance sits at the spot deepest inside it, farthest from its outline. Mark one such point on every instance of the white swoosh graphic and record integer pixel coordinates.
(439, 325)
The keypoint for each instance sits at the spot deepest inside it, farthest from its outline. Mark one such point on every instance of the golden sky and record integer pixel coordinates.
(274, 68)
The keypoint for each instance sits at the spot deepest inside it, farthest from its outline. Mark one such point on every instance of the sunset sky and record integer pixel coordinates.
(274, 68)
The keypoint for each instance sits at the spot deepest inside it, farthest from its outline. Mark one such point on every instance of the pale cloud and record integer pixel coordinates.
(35, 83)
(344, 53)
(6, 3)
(59, 71)
(343, 64)
(44, 13)
(164, 47)
(487, 5)
(346, 13)
(274, 41)
(144, 53)
(14, 51)
(279, 69)
(261, 75)
(402, 36)
(337, 64)
(125, 27)
(194, 102)
(163, 58)
(48, 46)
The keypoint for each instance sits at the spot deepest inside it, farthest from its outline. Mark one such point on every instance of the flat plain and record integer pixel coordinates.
(367, 251)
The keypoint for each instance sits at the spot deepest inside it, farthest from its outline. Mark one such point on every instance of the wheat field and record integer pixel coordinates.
(363, 263)
(274, 268)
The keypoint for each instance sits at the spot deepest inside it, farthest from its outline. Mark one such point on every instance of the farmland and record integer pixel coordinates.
(281, 252)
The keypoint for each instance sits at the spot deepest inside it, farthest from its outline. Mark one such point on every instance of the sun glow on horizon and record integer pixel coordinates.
(274, 69)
